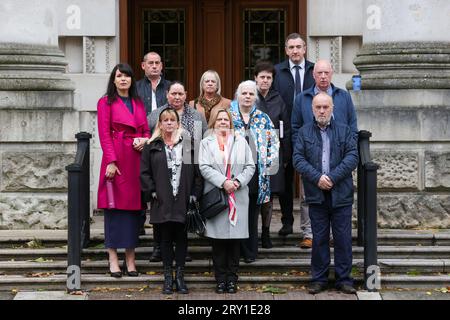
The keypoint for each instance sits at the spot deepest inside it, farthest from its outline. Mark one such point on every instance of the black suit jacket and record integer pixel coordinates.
(284, 82)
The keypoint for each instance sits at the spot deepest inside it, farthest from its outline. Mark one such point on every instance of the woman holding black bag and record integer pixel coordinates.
(226, 162)
(170, 180)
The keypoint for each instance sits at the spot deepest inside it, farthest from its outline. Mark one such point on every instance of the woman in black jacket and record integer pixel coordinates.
(271, 102)
(170, 179)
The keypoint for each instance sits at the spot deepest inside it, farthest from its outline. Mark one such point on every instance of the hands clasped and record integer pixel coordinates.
(325, 183)
(230, 186)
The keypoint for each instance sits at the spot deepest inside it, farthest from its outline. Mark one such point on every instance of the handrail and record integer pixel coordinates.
(364, 157)
(367, 211)
(78, 210)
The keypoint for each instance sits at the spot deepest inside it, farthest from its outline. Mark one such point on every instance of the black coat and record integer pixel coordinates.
(284, 82)
(276, 109)
(155, 177)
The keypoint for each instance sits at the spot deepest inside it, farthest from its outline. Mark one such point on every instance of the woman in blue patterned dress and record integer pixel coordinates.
(261, 136)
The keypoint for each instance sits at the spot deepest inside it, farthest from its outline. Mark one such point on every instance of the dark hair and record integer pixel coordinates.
(111, 91)
(264, 65)
(293, 36)
(174, 83)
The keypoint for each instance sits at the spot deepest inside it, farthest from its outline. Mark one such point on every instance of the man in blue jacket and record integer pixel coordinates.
(292, 76)
(344, 112)
(326, 154)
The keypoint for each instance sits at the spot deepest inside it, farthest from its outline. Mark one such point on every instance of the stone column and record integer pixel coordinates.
(405, 102)
(37, 121)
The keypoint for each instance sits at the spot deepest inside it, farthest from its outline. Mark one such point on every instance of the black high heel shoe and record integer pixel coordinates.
(129, 273)
(117, 274)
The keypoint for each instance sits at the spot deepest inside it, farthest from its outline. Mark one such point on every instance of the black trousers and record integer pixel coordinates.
(287, 197)
(157, 235)
(225, 254)
(173, 233)
(249, 247)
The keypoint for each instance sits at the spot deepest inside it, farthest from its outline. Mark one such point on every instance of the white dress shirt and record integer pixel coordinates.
(302, 71)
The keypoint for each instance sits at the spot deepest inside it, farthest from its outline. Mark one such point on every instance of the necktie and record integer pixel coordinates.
(298, 82)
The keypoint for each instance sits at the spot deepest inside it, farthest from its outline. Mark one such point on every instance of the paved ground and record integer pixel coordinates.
(145, 293)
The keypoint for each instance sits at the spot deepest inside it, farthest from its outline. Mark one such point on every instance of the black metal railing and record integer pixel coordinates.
(367, 211)
(78, 210)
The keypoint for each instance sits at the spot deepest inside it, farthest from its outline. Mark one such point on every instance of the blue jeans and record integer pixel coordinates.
(341, 222)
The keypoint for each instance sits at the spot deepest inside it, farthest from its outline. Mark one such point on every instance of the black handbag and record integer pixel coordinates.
(194, 221)
(213, 202)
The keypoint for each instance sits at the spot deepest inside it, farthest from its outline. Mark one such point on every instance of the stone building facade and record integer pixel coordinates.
(55, 59)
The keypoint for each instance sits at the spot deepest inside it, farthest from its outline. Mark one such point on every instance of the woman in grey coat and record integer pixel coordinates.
(226, 229)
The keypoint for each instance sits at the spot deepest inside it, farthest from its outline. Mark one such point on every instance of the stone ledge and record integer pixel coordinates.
(38, 125)
(43, 100)
(404, 65)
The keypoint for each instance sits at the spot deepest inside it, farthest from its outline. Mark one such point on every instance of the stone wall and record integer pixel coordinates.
(411, 144)
(33, 185)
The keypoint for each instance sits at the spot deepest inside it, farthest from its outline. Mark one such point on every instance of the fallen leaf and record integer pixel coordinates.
(429, 293)
(151, 273)
(40, 274)
(35, 244)
(274, 290)
(40, 260)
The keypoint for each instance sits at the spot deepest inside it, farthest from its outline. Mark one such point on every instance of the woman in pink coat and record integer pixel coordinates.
(123, 131)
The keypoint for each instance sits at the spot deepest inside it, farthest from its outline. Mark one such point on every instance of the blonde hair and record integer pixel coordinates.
(215, 115)
(158, 134)
(202, 80)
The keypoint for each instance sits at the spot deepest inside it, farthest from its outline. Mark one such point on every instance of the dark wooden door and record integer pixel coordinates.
(193, 36)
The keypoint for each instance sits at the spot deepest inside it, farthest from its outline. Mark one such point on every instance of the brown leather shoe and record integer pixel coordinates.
(306, 243)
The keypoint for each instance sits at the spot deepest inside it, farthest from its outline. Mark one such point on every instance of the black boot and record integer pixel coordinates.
(265, 238)
(179, 281)
(156, 254)
(168, 281)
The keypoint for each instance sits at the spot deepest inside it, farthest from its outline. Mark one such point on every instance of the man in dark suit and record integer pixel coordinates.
(292, 76)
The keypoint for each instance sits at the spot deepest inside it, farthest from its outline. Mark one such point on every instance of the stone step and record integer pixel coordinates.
(246, 282)
(407, 266)
(204, 252)
(386, 237)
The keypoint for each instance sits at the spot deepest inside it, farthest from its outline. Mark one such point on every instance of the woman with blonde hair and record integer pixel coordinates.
(226, 162)
(170, 180)
(209, 99)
